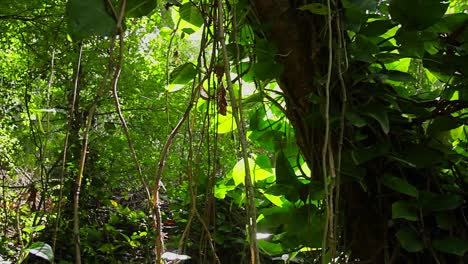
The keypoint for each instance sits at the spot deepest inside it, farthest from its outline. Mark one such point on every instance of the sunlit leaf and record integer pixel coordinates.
(226, 123)
(270, 248)
(190, 13)
(174, 256)
(276, 200)
(221, 190)
(256, 172)
(32, 229)
(42, 250)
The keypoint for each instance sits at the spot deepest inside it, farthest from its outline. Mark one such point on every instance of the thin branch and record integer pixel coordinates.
(92, 111)
(327, 133)
(251, 209)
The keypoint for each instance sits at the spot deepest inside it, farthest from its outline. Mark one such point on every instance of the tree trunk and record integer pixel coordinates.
(302, 43)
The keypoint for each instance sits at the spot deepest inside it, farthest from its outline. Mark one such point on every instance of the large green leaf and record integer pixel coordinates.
(397, 76)
(362, 155)
(32, 229)
(364, 48)
(190, 13)
(256, 172)
(378, 112)
(183, 73)
(415, 43)
(399, 185)
(221, 190)
(405, 210)
(315, 8)
(446, 220)
(423, 156)
(443, 123)
(447, 64)
(409, 240)
(88, 18)
(439, 202)
(456, 246)
(284, 172)
(377, 28)
(42, 250)
(417, 14)
(139, 8)
(270, 248)
(267, 70)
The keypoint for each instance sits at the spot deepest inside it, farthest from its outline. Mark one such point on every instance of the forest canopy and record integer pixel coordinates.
(235, 131)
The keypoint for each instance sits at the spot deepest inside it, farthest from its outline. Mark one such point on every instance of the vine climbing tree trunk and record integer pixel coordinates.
(304, 46)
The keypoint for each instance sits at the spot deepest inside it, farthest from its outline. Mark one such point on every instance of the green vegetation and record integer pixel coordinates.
(245, 131)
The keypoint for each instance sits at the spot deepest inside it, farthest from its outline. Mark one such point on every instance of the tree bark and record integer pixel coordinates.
(302, 43)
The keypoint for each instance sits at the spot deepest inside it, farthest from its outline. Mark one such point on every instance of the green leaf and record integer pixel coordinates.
(139, 8)
(377, 28)
(225, 123)
(396, 76)
(188, 31)
(362, 155)
(364, 48)
(267, 70)
(415, 43)
(270, 248)
(417, 15)
(190, 13)
(409, 240)
(422, 156)
(42, 250)
(269, 140)
(183, 73)
(405, 210)
(399, 185)
(456, 246)
(446, 220)
(355, 119)
(221, 190)
(274, 199)
(364, 5)
(284, 172)
(439, 202)
(88, 18)
(32, 229)
(315, 8)
(378, 112)
(256, 172)
(443, 123)
(264, 162)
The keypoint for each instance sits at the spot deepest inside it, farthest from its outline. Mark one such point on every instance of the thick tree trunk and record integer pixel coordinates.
(302, 43)
(296, 34)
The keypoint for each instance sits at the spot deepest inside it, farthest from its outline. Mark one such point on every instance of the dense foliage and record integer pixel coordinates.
(241, 131)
